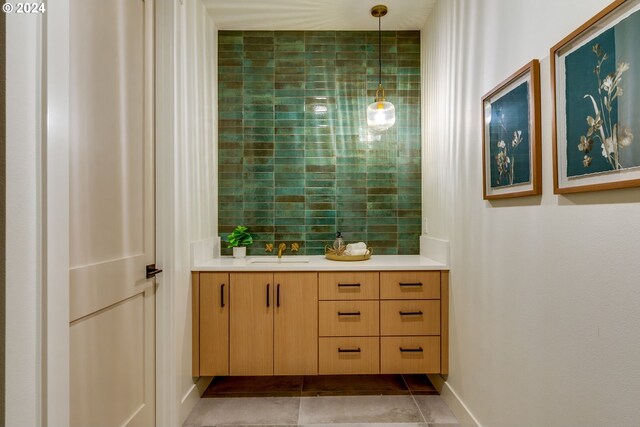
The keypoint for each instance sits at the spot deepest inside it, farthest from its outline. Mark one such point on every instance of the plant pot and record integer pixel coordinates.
(240, 252)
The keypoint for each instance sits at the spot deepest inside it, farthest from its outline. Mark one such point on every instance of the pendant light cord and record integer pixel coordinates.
(379, 51)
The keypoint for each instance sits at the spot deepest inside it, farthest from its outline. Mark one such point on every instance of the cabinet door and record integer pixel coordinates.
(296, 324)
(251, 306)
(214, 324)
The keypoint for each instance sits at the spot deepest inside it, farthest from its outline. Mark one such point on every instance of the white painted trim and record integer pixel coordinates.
(56, 280)
(23, 220)
(166, 411)
(191, 398)
(454, 402)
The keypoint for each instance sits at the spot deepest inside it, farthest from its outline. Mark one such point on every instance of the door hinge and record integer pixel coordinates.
(152, 271)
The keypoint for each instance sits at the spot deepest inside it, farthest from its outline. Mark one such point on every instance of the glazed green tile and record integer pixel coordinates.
(289, 214)
(289, 100)
(325, 236)
(289, 161)
(290, 220)
(383, 220)
(315, 155)
(294, 182)
(290, 206)
(289, 191)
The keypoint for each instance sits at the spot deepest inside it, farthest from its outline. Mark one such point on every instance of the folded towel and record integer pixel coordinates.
(359, 248)
(356, 252)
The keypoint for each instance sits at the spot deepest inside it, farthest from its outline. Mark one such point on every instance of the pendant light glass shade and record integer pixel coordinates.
(381, 114)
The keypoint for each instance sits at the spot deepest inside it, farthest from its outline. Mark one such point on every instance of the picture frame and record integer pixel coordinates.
(596, 102)
(511, 138)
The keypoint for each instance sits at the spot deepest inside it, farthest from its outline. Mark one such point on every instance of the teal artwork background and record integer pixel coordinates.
(295, 160)
(580, 80)
(620, 44)
(510, 113)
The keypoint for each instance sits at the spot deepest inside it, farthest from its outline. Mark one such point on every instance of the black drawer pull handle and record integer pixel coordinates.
(348, 313)
(222, 295)
(410, 284)
(278, 295)
(348, 285)
(411, 350)
(349, 350)
(411, 313)
(268, 286)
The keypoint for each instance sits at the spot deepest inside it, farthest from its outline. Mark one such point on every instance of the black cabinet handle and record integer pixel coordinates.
(278, 295)
(222, 295)
(411, 313)
(348, 285)
(410, 284)
(268, 286)
(348, 350)
(411, 350)
(348, 313)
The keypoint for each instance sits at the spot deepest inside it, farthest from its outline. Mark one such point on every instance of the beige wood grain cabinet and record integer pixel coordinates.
(274, 323)
(309, 323)
(295, 332)
(251, 328)
(211, 323)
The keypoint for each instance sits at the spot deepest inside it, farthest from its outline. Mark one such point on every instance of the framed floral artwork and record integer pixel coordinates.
(595, 74)
(511, 136)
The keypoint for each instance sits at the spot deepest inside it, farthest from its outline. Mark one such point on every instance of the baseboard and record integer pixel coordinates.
(451, 398)
(191, 397)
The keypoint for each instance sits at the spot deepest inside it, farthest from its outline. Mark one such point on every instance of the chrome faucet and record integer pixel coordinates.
(281, 247)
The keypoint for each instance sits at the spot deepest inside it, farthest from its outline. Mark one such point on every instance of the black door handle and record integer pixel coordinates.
(348, 350)
(411, 350)
(222, 295)
(268, 286)
(152, 271)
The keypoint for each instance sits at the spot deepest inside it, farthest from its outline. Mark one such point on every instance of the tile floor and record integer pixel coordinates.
(381, 401)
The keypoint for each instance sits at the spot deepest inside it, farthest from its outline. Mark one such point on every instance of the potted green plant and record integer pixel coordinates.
(239, 239)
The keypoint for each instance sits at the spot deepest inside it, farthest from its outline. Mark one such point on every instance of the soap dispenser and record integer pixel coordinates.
(338, 243)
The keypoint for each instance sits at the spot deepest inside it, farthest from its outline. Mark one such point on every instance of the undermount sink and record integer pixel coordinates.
(276, 260)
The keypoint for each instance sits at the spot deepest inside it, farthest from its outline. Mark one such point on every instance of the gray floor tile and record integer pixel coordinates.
(444, 425)
(435, 410)
(369, 425)
(242, 411)
(358, 409)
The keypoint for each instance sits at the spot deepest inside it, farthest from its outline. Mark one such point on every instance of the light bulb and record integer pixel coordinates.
(381, 115)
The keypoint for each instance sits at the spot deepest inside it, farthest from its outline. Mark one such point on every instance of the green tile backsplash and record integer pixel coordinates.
(296, 161)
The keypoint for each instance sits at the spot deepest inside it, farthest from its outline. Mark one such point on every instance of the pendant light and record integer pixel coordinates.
(381, 114)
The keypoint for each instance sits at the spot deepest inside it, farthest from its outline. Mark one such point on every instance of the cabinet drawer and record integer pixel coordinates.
(349, 318)
(410, 317)
(410, 285)
(357, 355)
(348, 285)
(410, 355)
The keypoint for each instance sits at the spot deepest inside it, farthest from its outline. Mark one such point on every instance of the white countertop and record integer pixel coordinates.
(319, 263)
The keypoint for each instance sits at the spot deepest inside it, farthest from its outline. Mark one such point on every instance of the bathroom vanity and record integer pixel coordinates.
(265, 316)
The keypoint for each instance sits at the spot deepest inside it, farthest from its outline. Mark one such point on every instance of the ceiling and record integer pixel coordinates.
(317, 14)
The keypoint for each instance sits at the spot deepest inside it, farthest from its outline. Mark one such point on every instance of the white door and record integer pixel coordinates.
(112, 303)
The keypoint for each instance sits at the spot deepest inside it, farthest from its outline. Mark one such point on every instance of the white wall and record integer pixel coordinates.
(23, 240)
(186, 144)
(545, 324)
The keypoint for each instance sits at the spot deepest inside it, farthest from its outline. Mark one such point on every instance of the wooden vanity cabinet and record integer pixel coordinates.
(251, 328)
(295, 331)
(309, 323)
(273, 324)
(211, 331)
